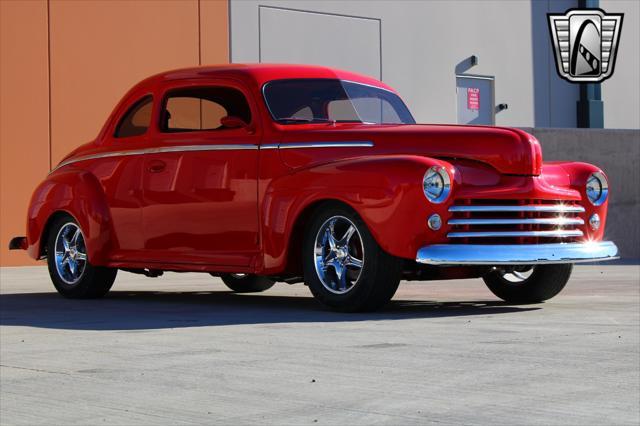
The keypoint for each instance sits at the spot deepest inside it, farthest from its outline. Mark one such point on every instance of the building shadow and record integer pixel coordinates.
(147, 310)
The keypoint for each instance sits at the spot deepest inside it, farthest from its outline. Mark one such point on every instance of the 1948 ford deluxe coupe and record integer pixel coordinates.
(265, 173)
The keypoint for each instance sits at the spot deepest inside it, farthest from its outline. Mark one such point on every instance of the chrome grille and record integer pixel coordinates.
(515, 221)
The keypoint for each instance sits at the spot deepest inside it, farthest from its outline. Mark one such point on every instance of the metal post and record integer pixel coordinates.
(590, 108)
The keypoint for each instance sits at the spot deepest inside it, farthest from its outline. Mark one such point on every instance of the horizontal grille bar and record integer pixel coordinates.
(555, 208)
(499, 234)
(559, 221)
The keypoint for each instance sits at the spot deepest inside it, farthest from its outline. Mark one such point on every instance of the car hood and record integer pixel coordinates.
(509, 151)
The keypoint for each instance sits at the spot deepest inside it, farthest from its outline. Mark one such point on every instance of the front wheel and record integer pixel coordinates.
(70, 269)
(344, 267)
(528, 284)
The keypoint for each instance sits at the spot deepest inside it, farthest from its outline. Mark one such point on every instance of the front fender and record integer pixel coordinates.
(78, 193)
(386, 191)
(575, 177)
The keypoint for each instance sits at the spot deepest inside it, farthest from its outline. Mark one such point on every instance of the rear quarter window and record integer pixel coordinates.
(137, 120)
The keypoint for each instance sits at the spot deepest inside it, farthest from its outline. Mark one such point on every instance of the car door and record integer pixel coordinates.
(200, 178)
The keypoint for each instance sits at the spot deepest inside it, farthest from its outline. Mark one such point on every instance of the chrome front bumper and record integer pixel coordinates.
(516, 254)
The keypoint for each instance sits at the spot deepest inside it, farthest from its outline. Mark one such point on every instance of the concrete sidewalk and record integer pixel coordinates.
(182, 350)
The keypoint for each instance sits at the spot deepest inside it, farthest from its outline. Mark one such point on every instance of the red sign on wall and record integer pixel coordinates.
(473, 98)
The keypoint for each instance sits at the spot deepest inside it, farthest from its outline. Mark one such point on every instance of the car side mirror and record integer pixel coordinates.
(232, 122)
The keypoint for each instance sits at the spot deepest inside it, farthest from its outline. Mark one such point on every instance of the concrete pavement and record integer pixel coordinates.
(182, 350)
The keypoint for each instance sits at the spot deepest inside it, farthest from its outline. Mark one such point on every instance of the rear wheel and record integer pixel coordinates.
(528, 284)
(344, 267)
(247, 283)
(70, 269)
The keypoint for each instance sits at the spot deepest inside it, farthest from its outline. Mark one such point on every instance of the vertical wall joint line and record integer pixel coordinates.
(380, 41)
(49, 82)
(199, 35)
(229, 27)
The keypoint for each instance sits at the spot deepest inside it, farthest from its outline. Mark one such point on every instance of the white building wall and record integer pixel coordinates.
(621, 93)
(422, 44)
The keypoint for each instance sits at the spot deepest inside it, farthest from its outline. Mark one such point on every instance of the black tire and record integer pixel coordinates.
(379, 275)
(93, 282)
(247, 283)
(545, 282)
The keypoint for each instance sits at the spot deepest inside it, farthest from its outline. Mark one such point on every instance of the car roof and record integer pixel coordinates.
(260, 74)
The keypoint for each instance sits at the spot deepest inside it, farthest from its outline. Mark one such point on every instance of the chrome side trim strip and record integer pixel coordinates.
(499, 234)
(513, 254)
(332, 144)
(269, 146)
(173, 148)
(96, 156)
(228, 147)
(556, 208)
(560, 221)
(179, 148)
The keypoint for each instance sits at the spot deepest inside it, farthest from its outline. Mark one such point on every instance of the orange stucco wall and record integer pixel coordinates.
(64, 66)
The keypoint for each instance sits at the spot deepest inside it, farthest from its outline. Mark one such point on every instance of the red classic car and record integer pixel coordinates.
(265, 173)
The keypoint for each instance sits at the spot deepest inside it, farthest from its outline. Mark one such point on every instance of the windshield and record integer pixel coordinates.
(326, 100)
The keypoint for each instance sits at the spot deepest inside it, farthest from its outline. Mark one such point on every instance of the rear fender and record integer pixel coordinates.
(386, 191)
(79, 194)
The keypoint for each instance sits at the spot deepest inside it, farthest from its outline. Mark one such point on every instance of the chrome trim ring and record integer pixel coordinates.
(338, 261)
(434, 222)
(70, 253)
(516, 254)
(436, 184)
(597, 196)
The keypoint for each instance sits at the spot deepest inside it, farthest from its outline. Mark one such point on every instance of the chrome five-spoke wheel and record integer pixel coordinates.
(70, 253)
(343, 265)
(70, 268)
(339, 254)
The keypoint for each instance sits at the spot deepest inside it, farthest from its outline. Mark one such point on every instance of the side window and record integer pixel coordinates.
(202, 108)
(137, 120)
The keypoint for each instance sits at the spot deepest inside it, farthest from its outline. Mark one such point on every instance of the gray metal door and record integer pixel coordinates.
(475, 95)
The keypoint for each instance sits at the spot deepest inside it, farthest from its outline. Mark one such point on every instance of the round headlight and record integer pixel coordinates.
(597, 188)
(436, 184)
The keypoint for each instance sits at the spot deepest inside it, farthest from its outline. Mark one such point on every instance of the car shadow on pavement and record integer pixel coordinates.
(140, 310)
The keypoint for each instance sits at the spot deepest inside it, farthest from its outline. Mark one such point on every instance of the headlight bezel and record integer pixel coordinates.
(603, 193)
(441, 173)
